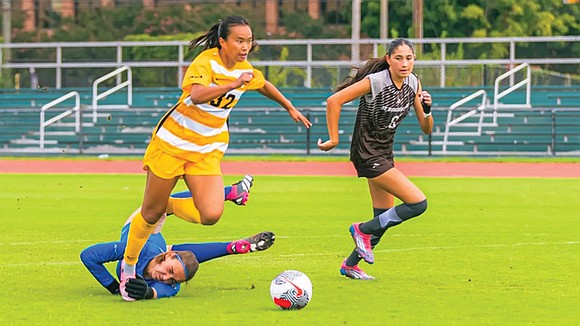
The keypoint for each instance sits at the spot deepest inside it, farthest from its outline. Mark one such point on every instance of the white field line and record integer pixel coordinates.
(183, 240)
(521, 244)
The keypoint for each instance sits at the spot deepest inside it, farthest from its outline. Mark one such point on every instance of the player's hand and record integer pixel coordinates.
(244, 78)
(138, 289)
(297, 116)
(327, 145)
(426, 101)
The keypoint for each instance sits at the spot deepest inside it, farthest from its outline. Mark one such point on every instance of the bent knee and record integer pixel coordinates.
(210, 217)
(420, 207)
(209, 220)
(152, 214)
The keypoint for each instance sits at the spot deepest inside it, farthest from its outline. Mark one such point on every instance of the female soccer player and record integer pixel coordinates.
(161, 268)
(192, 137)
(387, 89)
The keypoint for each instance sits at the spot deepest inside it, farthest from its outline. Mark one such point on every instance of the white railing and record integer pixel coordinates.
(76, 110)
(305, 61)
(452, 122)
(117, 73)
(497, 95)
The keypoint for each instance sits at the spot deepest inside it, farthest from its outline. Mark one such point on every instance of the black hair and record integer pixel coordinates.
(374, 65)
(211, 39)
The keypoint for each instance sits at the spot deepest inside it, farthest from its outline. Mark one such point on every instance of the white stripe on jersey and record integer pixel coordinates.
(170, 138)
(219, 69)
(217, 112)
(196, 126)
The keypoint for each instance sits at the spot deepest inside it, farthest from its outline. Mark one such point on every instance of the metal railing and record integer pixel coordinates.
(525, 82)
(307, 61)
(99, 96)
(497, 95)
(540, 131)
(76, 110)
(452, 122)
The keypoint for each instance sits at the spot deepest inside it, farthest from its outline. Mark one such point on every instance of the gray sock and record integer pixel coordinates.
(393, 216)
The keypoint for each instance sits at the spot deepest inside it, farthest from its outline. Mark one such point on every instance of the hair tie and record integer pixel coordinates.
(219, 31)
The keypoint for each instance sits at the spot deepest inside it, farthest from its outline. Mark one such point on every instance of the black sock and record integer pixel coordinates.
(371, 227)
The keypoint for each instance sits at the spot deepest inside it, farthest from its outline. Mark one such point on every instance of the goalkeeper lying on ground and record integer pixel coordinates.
(161, 267)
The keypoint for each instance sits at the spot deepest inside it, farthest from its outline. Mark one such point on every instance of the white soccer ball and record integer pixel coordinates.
(291, 290)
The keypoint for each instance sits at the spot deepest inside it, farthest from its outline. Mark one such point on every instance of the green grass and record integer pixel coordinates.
(487, 252)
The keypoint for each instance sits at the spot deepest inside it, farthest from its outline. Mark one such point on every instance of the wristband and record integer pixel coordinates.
(426, 115)
(113, 287)
(426, 107)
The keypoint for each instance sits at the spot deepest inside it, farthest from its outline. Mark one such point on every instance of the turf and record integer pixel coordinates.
(487, 252)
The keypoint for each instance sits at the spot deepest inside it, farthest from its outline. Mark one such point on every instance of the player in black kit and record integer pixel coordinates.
(387, 89)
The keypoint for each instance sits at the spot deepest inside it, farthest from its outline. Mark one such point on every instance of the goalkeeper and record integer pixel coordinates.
(161, 267)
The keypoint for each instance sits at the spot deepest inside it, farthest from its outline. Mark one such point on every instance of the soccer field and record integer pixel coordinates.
(487, 251)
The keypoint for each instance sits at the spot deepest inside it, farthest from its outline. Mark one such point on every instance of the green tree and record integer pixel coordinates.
(481, 18)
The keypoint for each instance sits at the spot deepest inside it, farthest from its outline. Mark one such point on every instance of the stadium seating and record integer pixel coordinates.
(259, 125)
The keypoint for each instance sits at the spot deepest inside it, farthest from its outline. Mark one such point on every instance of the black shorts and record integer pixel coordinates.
(373, 167)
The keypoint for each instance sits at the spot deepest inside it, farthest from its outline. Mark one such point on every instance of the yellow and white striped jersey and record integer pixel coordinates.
(192, 131)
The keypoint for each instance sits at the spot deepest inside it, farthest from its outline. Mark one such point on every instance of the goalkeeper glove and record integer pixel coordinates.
(138, 289)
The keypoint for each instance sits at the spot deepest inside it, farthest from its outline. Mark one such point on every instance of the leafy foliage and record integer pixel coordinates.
(442, 19)
(482, 18)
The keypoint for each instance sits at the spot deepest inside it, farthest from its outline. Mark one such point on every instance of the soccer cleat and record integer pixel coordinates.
(258, 242)
(241, 190)
(122, 286)
(354, 272)
(239, 247)
(362, 242)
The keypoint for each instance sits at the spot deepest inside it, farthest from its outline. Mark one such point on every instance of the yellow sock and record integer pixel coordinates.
(184, 208)
(139, 232)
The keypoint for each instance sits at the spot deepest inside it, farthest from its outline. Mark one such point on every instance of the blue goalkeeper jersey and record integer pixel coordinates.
(95, 257)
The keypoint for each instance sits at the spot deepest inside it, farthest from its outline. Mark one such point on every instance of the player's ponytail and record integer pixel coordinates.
(371, 66)
(374, 65)
(211, 39)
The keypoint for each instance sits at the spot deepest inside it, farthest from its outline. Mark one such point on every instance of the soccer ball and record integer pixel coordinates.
(291, 290)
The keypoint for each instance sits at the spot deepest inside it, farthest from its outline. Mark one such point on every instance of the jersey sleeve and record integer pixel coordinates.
(164, 290)
(414, 82)
(378, 82)
(258, 81)
(198, 72)
(95, 256)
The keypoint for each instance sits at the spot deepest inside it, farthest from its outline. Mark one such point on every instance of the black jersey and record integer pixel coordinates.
(379, 114)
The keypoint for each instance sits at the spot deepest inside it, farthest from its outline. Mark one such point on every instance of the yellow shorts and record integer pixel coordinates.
(167, 166)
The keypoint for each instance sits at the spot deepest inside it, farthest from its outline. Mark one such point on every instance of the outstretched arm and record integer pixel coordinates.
(271, 92)
(94, 258)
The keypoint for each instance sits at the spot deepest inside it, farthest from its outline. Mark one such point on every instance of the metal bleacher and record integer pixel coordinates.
(258, 125)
